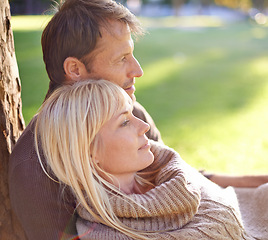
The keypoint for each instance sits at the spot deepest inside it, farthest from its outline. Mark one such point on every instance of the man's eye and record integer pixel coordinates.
(125, 123)
(123, 59)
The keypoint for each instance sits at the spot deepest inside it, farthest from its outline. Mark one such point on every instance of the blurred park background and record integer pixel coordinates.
(205, 77)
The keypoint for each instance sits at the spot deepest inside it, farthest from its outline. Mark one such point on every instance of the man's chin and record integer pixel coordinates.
(133, 97)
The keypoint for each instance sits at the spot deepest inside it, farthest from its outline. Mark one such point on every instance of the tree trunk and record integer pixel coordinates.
(11, 121)
(177, 4)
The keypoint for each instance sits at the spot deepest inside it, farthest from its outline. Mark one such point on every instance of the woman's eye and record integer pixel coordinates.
(125, 123)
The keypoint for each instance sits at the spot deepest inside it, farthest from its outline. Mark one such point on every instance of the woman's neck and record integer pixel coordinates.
(127, 185)
(131, 186)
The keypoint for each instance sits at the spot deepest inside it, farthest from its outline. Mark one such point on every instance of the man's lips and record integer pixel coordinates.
(130, 89)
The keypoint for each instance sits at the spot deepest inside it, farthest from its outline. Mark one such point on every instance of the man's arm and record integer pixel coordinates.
(242, 181)
(247, 181)
(39, 203)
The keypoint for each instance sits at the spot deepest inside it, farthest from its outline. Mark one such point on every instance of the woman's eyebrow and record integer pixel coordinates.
(125, 112)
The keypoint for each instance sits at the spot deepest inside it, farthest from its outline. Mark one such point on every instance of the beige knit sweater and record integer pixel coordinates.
(184, 204)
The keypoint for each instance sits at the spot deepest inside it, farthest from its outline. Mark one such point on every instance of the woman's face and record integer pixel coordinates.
(124, 147)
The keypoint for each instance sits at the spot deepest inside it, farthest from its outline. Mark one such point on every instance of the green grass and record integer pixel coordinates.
(206, 87)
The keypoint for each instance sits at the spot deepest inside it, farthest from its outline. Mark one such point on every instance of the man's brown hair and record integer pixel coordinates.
(74, 30)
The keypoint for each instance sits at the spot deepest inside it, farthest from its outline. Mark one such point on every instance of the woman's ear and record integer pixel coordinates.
(95, 159)
(74, 69)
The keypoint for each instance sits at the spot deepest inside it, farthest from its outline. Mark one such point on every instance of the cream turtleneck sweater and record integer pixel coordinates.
(184, 205)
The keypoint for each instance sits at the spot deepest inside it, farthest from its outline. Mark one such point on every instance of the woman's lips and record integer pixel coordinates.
(145, 146)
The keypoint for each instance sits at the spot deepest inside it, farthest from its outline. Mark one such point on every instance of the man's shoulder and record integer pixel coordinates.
(139, 111)
(24, 149)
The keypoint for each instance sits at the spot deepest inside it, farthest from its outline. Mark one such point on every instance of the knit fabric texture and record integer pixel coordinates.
(184, 205)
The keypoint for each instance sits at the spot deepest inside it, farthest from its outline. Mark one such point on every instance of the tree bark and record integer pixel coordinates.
(11, 121)
(177, 4)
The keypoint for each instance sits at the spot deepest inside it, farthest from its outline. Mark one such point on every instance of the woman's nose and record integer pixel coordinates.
(144, 127)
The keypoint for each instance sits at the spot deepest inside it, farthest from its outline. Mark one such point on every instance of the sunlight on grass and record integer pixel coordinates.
(29, 23)
(260, 66)
(235, 142)
(155, 73)
(259, 33)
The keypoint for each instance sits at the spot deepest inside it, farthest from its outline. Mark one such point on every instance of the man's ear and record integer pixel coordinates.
(74, 69)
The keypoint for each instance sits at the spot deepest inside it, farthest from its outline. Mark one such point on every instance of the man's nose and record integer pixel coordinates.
(136, 70)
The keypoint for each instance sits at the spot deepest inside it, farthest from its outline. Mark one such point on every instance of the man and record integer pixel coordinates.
(85, 39)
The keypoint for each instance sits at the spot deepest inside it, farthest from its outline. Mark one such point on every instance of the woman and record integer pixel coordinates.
(126, 187)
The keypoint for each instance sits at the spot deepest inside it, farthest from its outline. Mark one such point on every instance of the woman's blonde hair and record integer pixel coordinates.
(67, 129)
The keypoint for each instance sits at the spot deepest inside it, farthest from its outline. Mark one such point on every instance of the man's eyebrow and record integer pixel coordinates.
(123, 54)
(118, 57)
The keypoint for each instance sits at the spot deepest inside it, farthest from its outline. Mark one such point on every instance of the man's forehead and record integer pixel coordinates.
(114, 28)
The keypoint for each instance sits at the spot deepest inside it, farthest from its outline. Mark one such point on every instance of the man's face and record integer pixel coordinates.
(113, 58)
